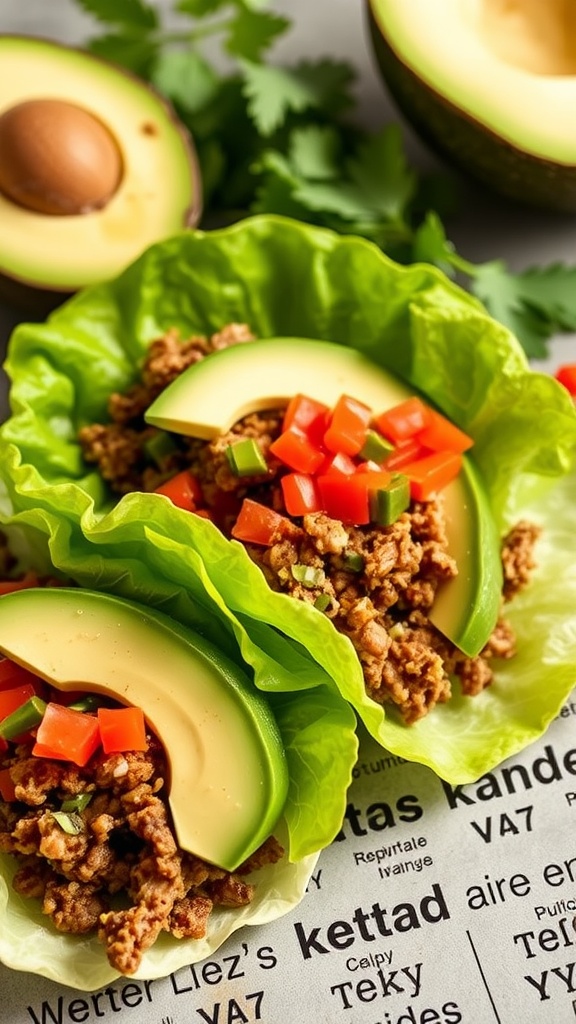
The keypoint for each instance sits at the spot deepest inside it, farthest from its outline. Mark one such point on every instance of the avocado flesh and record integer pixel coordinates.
(213, 394)
(503, 115)
(160, 192)
(228, 774)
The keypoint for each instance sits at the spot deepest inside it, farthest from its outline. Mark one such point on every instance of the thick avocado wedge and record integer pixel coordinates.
(490, 86)
(213, 394)
(466, 608)
(228, 774)
(94, 167)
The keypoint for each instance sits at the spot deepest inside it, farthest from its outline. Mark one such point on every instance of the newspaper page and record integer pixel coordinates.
(436, 904)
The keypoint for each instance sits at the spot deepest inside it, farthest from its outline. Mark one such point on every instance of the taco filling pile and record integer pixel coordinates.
(370, 557)
(95, 844)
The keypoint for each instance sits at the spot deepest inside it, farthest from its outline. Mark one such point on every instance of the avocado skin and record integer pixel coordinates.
(467, 144)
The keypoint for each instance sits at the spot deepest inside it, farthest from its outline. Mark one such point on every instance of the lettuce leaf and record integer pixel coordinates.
(286, 278)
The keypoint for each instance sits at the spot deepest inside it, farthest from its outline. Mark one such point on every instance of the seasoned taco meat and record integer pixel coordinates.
(377, 584)
(119, 870)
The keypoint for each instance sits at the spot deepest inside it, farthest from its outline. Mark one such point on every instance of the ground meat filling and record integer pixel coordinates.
(383, 606)
(121, 872)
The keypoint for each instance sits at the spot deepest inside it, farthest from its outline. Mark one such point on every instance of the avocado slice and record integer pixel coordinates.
(491, 87)
(154, 192)
(214, 393)
(228, 773)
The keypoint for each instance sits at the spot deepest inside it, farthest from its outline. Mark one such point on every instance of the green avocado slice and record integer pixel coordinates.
(228, 774)
(213, 394)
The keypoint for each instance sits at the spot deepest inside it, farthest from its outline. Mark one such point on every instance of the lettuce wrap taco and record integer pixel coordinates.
(288, 280)
(123, 828)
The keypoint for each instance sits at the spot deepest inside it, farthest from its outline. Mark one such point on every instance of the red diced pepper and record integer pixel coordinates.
(441, 435)
(300, 493)
(258, 524)
(7, 788)
(566, 375)
(30, 579)
(67, 735)
(348, 426)
(345, 497)
(12, 675)
(404, 420)
(431, 474)
(337, 463)
(183, 490)
(295, 449)
(407, 451)
(122, 729)
(308, 415)
(12, 699)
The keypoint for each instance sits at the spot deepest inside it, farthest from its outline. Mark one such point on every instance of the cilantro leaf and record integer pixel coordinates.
(552, 291)
(185, 78)
(252, 32)
(316, 152)
(137, 52)
(502, 294)
(430, 244)
(133, 14)
(273, 92)
(380, 171)
(200, 8)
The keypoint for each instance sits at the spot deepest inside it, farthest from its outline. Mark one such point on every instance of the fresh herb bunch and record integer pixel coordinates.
(273, 139)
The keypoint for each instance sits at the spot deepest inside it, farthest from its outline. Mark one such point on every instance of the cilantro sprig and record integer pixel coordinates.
(283, 139)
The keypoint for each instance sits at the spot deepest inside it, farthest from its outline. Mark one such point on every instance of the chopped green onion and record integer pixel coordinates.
(387, 503)
(26, 717)
(245, 458)
(308, 575)
(159, 447)
(353, 561)
(322, 602)
(72, 824)
(90, 702)
(375, 447)
(76, 803)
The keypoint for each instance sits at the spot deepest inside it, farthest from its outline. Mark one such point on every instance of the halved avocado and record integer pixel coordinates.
(491, 86)
(94, 167)
(228, 773)
(214, 393)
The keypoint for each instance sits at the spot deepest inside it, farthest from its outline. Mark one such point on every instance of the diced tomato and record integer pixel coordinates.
(295, 449)
(348, 426)
(183, 490)
(30, 579)
(566, 375)
(404, 420)
(12, 699)
(122, 729)
(407, 451)
(67, 735)
(258, 524)
(441, 435)
(308, 415)
(7, 789)
(300, 493)
(345, 498)
(12, 675)
(338, 463)
(431, 474)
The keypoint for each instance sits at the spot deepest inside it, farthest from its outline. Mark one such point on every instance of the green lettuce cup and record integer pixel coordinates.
(284, 278)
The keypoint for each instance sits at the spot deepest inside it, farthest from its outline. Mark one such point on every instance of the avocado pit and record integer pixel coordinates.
(57, 158)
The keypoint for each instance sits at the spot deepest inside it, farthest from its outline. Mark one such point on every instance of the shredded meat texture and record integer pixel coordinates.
(121, 873)
(383, 606)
